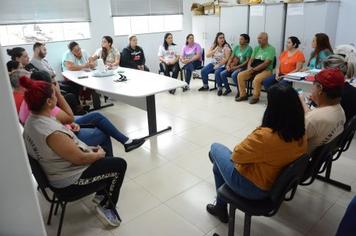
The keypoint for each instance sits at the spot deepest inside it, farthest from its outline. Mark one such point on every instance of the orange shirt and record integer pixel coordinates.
(263, 154)
(289, 64)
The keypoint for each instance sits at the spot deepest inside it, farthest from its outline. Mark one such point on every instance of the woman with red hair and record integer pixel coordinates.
(70, 165)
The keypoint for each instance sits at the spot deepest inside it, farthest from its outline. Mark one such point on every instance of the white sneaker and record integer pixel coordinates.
(108, 216)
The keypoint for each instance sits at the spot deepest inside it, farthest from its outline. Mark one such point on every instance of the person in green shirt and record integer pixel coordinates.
(237, 62)
(259, 67)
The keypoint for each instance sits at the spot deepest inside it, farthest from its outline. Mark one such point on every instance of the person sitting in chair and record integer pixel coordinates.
(107, 52)
(133, 56)
(259, 68)
(169, 58)
(100, 128)
(252, 167)
(326, 121)
(71, 166)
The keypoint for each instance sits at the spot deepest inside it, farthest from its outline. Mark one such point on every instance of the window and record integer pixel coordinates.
(46, 21)
(30, 33)
(127, 25)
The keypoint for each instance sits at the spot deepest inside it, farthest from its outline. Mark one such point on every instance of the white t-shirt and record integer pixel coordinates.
(323, 125)
(170, 54)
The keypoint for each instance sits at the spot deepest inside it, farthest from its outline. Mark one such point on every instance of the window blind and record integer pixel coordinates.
(43, 11)
(146, 7)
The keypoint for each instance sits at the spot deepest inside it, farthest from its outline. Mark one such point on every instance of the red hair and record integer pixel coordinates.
(36, 94)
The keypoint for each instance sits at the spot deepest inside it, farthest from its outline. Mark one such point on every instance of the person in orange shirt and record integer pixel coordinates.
(291, 60)
(252, 167)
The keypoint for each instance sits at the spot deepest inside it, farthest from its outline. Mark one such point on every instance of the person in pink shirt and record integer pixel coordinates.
(100, 129)
(191, 57)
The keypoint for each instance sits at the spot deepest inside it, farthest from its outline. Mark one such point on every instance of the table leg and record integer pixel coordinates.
(151, 116)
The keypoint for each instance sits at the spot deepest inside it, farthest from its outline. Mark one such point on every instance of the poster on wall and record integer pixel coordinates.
(257, 10)
(296, 9)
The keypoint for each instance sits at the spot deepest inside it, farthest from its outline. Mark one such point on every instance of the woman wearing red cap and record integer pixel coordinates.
(326, 121)
(70, 165)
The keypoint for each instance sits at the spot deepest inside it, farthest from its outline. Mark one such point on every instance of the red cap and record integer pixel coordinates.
(330, 78)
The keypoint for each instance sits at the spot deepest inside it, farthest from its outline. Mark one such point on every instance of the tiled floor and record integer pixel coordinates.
(169, 180)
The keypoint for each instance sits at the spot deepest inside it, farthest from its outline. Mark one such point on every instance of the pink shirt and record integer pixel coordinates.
(24, 112)
(190, 51)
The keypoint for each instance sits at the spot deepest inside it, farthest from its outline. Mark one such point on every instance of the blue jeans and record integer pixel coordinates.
(94, 137)
(223, 78)
(347, 225)
(104, 129)
(267, 83)
(208, 69)
(226, 173)
(189, 68)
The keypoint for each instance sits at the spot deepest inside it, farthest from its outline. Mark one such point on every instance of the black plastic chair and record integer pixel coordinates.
(318, 160)
(57, 199)
(194, 74)
(287, 181)
(343, 145)
(161, 71)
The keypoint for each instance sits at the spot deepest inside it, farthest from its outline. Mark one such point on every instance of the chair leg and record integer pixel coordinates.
(247, 225)
(51, 210)
(56, 210)
(232, 210)
(62, 217)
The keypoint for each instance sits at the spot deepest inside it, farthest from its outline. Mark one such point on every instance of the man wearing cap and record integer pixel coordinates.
(326, 121)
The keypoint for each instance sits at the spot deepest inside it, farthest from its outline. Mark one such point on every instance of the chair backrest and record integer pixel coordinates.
(317, 159)
(39, 174)
(288, 179)
(347, 135)
(203, 56)
(274, 62)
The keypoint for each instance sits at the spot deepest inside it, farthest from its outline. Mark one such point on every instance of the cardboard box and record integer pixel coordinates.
(211, 9)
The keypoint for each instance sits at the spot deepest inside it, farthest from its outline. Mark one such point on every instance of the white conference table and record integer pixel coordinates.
(139, 90)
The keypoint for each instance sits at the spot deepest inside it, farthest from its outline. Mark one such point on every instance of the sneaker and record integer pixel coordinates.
(134, 144)
(219, 212)
(97, 199)
(254, 100)
(173, 91)
(227, 91)
(108, 215)
(219, 92)
(243, 98)
(186, 88)
(204, 89)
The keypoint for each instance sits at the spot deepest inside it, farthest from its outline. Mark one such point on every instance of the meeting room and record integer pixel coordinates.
(178, 117)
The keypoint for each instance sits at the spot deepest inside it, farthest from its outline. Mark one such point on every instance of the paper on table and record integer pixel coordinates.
(298, 75)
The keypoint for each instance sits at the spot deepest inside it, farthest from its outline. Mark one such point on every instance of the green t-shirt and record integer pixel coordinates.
(267, 53)
(242, 55)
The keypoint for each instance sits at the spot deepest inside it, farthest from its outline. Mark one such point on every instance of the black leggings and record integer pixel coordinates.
(168, 68)
(108, 173)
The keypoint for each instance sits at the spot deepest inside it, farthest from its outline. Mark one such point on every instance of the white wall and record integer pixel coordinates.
(19, 209)
(346, 32)
(102, 24)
